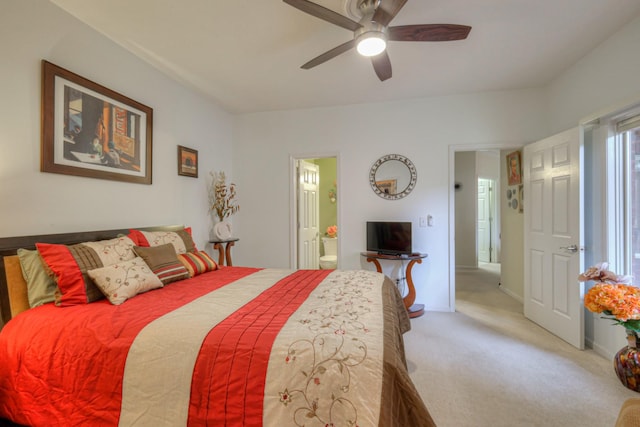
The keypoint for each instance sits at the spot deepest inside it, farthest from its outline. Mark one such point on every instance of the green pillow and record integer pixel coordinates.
(41, 288)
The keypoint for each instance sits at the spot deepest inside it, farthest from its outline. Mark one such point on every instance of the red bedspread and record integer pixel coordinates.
(236, 347)
(67, 364)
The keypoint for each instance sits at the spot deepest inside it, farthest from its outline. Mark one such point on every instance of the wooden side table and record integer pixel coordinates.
(224, 249)
(414, 310)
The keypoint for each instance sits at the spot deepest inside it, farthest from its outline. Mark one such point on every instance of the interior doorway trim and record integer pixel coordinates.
(293, 205)
(452, 206)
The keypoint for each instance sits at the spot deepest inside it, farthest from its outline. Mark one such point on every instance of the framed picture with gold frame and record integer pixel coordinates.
(92, 131)
(187, 162)
(514, 169)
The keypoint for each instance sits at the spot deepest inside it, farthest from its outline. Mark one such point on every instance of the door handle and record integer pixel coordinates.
(571, 248)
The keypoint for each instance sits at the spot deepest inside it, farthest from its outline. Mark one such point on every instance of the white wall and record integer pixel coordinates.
(466, 201)
(607, 76)
(604, 80)
(512, 231)
(421, 129)
(35, 202)
(488, 164)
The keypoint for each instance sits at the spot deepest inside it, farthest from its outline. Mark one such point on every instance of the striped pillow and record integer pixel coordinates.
(197, 262)
(163, 261)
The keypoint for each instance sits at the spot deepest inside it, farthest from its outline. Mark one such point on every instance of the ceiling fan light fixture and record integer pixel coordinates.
(371, 43)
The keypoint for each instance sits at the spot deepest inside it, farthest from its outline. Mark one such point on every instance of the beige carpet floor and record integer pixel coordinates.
(486, 365)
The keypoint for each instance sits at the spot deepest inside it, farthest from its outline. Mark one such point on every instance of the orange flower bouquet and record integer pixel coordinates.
(613, 295)
(619, 300)
(332, 231)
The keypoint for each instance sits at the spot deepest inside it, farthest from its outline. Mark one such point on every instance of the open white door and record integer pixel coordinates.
(484, 220)
(553, 240)
(308, 216)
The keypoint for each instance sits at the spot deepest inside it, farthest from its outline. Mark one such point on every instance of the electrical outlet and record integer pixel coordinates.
(423, 221)
(430, 220)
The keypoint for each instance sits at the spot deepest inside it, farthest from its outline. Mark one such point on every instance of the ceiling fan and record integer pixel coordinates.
(371, 34)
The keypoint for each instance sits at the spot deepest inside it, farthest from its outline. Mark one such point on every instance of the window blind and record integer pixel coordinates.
(628, 124)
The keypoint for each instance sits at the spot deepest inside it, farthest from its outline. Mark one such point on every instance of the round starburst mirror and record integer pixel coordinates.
(393, 177)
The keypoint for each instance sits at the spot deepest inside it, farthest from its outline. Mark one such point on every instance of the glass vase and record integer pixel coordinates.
(626, 362)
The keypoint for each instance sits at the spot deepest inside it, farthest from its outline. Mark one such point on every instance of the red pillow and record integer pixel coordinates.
(70, 264)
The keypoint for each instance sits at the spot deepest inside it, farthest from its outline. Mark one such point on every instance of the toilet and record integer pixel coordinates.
(330, 259)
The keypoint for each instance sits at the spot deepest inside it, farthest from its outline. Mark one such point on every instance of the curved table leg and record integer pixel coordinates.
(224, 252)
(377, 264)
(228, 253)
(414, 310)
(218, 246)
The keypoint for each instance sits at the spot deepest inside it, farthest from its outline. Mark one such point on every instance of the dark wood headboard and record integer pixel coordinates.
(10, 245)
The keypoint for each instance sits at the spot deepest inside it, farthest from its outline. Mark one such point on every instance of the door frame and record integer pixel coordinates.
(452, 205)
(293, 197)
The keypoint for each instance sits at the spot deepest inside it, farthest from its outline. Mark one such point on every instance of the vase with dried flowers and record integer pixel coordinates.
(615, 297)
(222, 203)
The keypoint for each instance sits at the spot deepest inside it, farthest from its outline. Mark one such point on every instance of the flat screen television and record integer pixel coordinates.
(389, 237)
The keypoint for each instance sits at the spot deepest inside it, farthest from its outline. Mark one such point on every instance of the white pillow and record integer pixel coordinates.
(124, 280)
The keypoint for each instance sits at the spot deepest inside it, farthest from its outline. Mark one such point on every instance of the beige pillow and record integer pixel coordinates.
(124, 280)
(41, 288)
(181, 239)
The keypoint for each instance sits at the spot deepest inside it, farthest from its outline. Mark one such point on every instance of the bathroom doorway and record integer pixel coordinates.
(315, 213)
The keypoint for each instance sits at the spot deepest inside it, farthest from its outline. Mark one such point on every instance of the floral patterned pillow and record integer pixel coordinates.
(124, 280)
(181, 240)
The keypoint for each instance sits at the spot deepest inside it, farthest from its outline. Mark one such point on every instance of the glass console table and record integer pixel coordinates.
(414, 310)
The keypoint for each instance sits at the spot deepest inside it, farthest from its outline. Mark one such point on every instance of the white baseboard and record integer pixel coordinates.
(511, 294)
(440, 309)
(598, 349)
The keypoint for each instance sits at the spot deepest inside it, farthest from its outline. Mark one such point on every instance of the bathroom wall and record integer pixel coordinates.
(328, 208)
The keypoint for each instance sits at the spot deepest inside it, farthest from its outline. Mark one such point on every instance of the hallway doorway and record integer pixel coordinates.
(315, 210)
(476, 216)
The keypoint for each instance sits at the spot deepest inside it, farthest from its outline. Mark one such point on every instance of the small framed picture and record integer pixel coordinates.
(514, 170)
(187, 162)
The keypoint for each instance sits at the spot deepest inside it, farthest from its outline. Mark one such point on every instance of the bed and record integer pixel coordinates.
(234, 346)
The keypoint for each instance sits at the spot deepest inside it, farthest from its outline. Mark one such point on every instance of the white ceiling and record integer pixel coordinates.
(246, 54)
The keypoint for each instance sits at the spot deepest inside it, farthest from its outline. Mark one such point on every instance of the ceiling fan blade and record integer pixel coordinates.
(387, 10)
(382, 66)
(429, 33)
(329, 54)
(324, 13)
